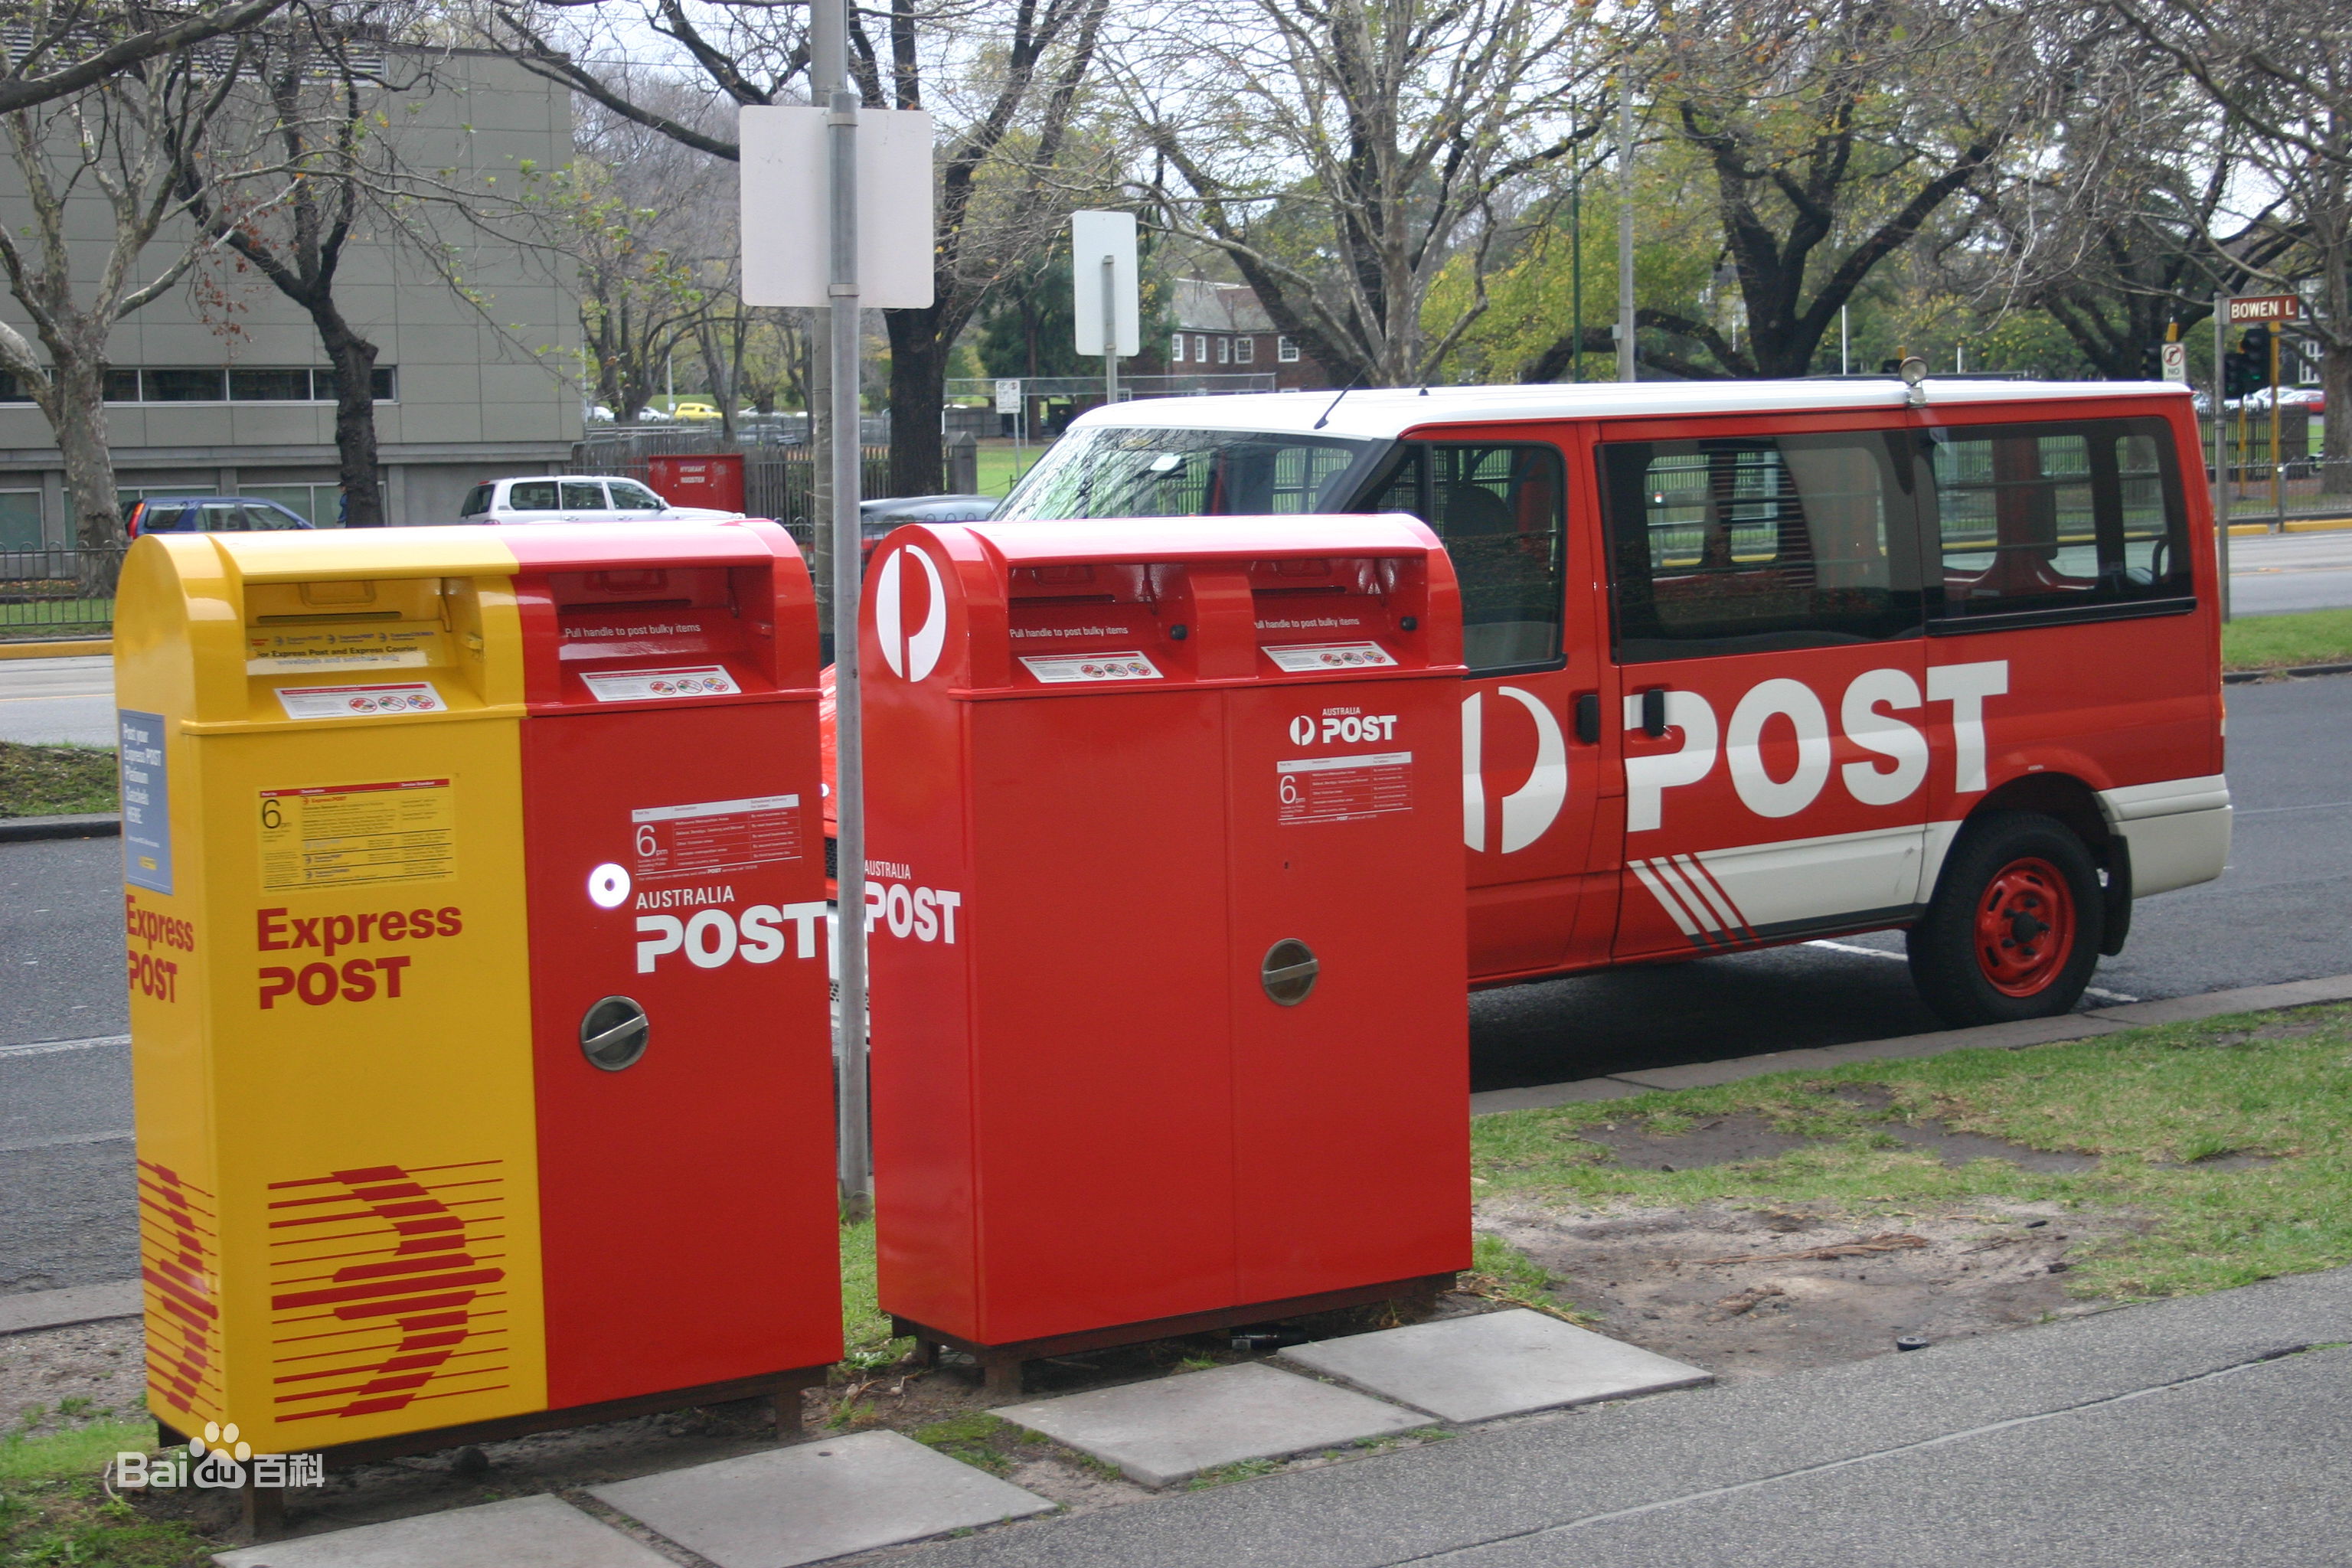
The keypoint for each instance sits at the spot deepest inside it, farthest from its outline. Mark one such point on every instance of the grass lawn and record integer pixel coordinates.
(2230, 1139)
(2269, 642)
(55, 781)
(53, 1509)
(997, 468)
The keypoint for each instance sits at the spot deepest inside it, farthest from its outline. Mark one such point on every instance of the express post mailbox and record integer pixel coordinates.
(1165, 919)
(479, 1006)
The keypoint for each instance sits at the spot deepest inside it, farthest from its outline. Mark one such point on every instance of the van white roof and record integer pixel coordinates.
(1390, 411)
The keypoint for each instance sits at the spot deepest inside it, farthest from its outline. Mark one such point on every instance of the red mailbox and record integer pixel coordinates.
(679, 1013)
(713, 479)
(1166, 924)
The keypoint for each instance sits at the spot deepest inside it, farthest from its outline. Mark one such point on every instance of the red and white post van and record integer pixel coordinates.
(1754, 663)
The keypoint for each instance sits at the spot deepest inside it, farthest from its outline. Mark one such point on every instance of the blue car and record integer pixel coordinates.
(209, 514)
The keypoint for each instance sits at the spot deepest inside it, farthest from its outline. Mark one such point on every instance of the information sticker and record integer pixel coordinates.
(1343, 789)
(360, 701)
(1300, 659)
(282, 653)
(356, 835)
(1060, 669)
(715, 835)
(642, 685)
(146, 800)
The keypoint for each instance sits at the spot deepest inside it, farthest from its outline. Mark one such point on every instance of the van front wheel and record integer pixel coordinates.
(2014, 929)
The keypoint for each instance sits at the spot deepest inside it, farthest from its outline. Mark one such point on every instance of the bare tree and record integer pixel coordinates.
(1835, 131)
(2283, 78)
(113, 146)
(1013, 70)
(52, 49)
(1341, 152)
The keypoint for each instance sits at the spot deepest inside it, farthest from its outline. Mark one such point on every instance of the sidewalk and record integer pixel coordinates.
(2148, 1435)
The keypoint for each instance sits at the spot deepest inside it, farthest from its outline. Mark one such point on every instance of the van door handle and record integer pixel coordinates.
(1588, 718)
(1654, 712)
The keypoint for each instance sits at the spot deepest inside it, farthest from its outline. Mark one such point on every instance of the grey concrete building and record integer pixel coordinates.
(220, 387)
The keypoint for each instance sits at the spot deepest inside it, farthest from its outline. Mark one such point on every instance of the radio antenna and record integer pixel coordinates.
(1326, 419)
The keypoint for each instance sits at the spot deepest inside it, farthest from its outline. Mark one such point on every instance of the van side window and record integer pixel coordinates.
(2082, 516)
(1499, 508)
(537, 496)
(1756, 543)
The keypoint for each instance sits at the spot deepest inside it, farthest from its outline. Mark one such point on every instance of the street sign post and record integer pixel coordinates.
(2264, 313)
(1103, 290)
(2176, 361)
(837, 215)
(1010, 401)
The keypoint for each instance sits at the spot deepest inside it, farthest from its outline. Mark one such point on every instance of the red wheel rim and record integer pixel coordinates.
(2025, 927)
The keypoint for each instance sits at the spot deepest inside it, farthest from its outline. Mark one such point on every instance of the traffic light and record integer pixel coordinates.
(2151, 362)
(2247, 369)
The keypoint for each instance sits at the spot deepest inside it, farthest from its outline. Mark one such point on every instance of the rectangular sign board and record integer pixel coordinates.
(1096, 237)
(2266, 307)
(785, 183)
(2175, 358)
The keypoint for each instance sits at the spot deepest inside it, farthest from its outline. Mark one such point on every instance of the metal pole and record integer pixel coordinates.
(1576, 271)
(1845, 358)
(2278, 483)
(1626, 370)
(1110, 331)
(830, 65)
(2220, 437)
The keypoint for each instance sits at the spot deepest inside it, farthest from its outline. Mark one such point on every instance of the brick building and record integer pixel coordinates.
(1222, 330)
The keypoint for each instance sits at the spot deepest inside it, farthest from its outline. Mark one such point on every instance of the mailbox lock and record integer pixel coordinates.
(1289, 971)
(614, 1032)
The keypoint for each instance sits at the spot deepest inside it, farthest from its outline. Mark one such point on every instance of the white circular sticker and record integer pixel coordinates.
(608, 886)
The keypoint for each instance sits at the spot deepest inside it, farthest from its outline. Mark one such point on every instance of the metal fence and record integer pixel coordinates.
(57, 594)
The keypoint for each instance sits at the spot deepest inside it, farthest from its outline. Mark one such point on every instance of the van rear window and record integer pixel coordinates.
(2057, 517)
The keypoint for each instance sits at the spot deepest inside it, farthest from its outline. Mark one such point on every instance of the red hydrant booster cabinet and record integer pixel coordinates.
(1165, 921)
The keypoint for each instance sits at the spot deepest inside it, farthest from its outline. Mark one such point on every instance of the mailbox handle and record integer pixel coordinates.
(1588, 718)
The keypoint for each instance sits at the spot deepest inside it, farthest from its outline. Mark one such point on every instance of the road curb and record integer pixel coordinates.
(84, 648)
(36, 1309)
(2240, 677)
(25, 829)
(1990, 1037)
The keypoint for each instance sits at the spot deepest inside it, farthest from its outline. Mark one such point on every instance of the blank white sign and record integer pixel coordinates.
(1093, 237)
(787, 236)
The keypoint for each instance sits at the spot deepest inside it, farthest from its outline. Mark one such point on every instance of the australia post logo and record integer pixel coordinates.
(911, 650)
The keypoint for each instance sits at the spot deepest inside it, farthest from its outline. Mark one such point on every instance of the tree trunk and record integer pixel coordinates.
(75, 402)
(353, 359)
(919, 385)
(2336, 429)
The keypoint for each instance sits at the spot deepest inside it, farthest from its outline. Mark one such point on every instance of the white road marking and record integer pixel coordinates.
(1881, 952)
(50, 1047)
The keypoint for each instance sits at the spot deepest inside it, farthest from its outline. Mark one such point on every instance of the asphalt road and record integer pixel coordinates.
(2278, 574)
(2279, 912)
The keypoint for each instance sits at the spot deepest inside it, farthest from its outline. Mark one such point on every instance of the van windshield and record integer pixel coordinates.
(1107, 471)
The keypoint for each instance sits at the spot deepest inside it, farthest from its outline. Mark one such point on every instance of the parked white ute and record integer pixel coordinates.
(577, 498)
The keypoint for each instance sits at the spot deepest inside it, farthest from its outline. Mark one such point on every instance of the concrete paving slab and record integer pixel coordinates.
(77, 1304)
(1494, 1364)
(819, 1500)
(1990, 1037)
(521, 1533)
(1172, 1427)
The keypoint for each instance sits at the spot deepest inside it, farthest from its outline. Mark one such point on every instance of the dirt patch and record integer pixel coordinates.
(57, 1378)
(1741, 1139)
(1749, 1293)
